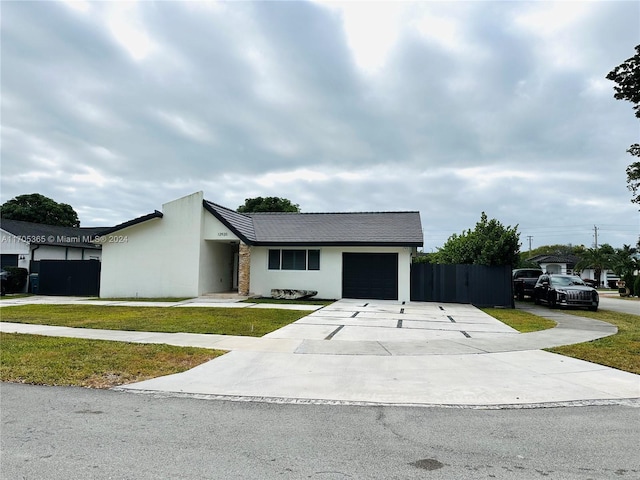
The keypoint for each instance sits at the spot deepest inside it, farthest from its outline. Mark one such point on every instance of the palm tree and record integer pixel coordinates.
(597, 258)
(623, 262)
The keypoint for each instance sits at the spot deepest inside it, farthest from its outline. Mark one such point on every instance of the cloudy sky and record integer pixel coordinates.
(449, 108)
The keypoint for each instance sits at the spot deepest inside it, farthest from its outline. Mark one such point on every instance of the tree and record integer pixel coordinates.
(597, 258)
(37, 208)
(627, 78)
(489, 244)
(268, 204)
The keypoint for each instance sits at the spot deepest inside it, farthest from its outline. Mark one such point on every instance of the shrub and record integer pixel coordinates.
(17, 279)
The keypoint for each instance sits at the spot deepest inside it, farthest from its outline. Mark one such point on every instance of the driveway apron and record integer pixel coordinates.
(383, 352)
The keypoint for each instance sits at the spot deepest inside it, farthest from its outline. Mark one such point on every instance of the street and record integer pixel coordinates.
(74, 433)
(618, 304)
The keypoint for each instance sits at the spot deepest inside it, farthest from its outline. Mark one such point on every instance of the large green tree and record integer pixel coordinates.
(268, 204)
(37, 208)
(490, 243)
(627, 79)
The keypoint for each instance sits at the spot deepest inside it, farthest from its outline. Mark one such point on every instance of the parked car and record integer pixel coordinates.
(612, 280)
(524, 279)
(4, 278)
(565, 291)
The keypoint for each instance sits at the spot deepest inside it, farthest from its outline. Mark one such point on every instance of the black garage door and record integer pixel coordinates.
(370, 275)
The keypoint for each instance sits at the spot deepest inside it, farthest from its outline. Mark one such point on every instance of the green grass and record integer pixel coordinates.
(621, 351)
(224, 321)
(11, 296)
(35, 359)
(522, 321)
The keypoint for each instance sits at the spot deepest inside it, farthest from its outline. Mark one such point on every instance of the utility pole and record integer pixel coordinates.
(529, 237)
(595, 230)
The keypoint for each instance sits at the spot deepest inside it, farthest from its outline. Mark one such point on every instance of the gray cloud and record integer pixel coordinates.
(482, 106)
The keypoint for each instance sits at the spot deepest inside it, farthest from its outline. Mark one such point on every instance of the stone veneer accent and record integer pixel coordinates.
(244, 269)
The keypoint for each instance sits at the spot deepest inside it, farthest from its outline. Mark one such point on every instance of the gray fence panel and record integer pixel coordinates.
(69, 277)
(479, 285)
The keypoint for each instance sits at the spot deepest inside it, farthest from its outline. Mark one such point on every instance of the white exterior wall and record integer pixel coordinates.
(160, 257)
(12, 245)
(218, 245)
(328, 280)
(53, 252)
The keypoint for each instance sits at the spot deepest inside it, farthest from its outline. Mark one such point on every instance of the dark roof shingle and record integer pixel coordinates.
(365, 228)
(41, 234)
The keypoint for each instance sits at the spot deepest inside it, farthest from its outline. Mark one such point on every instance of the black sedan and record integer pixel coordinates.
(565, 291)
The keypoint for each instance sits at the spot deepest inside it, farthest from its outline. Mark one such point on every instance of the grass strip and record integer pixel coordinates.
(621, 351)
(41, 360)
(223, 321)
(522, 321)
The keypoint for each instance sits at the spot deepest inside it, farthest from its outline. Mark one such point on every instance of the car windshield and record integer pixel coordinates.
(565, 281)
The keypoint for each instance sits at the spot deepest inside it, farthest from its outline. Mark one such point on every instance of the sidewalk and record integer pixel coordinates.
(377, 352)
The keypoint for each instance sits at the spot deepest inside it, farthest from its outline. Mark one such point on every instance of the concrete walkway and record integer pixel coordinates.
(382, 352)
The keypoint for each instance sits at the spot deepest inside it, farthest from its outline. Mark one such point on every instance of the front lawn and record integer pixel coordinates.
(522, 321)
(42, 360)
(252, 322)
(621, 351)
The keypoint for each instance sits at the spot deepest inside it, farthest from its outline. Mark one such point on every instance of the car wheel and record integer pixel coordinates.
(552, 300)
(593, 309)
(536, 300)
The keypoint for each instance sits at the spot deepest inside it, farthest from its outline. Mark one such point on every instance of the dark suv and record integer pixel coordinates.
(4, 278)
(524, 280)
(565, 291)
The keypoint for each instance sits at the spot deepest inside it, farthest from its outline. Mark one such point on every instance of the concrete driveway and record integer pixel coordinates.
(383, 352)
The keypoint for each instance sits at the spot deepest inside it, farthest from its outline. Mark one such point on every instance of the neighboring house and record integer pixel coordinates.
(25, 242)
(556, 264)
(565, 264)
(194, 247)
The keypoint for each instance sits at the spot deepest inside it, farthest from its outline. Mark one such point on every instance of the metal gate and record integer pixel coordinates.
(68, 277)
(370, 275)
(479, 285)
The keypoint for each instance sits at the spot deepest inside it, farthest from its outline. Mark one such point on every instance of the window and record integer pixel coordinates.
(314, 260)
(294, 259)
(274, 259)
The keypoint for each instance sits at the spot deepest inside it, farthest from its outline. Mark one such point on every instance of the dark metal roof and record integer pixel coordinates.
(558, 258)
(135, 221)
(340, 229)
(41, 234)
(365, 228)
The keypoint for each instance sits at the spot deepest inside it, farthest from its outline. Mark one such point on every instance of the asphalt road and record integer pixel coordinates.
(73, 433)
(618, 304)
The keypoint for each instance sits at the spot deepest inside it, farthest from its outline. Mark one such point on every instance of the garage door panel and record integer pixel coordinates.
(370, 275)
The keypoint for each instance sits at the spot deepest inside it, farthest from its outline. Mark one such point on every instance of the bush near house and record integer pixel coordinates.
(16, 279)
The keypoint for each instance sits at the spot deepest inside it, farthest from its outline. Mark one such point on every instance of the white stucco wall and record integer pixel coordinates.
(328, 280)
(54, 252)
(12, 245)
(156, 258)
(216, 259)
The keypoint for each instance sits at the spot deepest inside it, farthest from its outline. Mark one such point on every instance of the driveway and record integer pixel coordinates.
(383, 352)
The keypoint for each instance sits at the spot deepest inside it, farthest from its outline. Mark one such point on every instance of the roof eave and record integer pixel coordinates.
(131, 223)
(227, 224)
(339, 244)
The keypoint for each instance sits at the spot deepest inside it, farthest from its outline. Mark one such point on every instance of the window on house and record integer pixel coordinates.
(274, 259)
(294, 259)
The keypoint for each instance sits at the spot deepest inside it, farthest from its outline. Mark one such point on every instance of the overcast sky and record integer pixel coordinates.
(449, 108)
